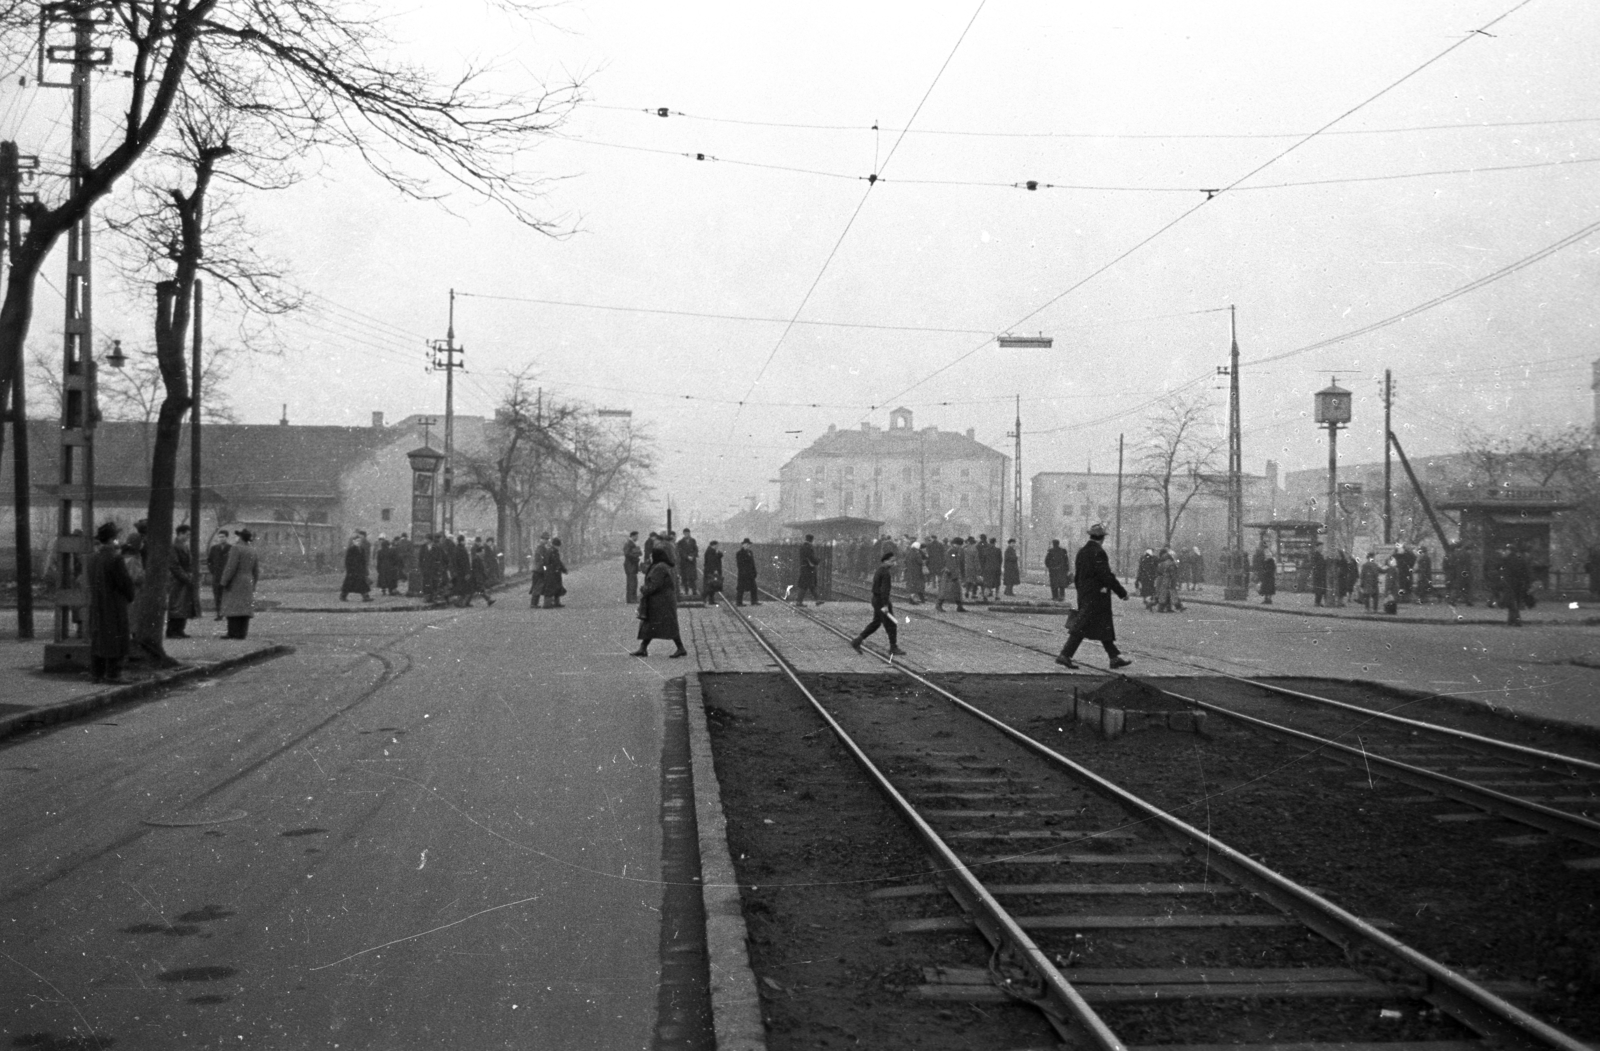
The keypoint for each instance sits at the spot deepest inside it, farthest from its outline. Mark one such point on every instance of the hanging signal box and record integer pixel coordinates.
(1026, 342)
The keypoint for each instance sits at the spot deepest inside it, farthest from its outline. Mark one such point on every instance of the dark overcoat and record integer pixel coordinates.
(990, 565)
(745, 562)
(1013, 569)
(915, 564)
(936, 554)
(1058, 566)
(110, 591)
(1269, 576)
(713, 575)
(808, 566)
(355, 571)
(388, 567)
(658, 604)
(1096, 585)
(182, 601)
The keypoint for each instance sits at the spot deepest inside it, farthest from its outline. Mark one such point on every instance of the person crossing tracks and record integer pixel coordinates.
(1092, 620)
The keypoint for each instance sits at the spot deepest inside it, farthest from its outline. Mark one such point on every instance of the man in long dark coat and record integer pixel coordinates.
(1319, 576)
(110, 590)
(1012, 568)
(536, 582)
(688, 564)
(355, 572)
(807, 578)
(1059, 567)
(658, 607)
(882, 606)
(1515, 579)
(183, 601)
(216, 562)
(1096, 584)
(744, 562)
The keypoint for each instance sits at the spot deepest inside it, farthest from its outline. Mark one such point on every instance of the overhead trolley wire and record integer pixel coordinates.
(664, 111)
(894, 148)
(1582, 233)
(1211, 195)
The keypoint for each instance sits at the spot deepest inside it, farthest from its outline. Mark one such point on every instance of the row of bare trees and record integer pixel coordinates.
(557, 465)
(220, 98)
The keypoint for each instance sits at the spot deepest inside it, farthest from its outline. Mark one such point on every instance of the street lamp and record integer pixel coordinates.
(1333, 411)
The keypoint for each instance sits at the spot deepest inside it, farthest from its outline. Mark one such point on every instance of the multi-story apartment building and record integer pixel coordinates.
(914, 481)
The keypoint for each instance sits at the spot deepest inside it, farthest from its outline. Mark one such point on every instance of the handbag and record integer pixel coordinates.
(1074, 620)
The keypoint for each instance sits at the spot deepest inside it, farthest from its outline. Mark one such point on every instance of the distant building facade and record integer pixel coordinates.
(915, 481)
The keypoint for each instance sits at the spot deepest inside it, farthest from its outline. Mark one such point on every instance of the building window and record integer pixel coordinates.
(386, 515)
(935, 471)
(1083, 487)
(963, 501)
(1066, 509)
(849, 470)
(849, 500)
(317, 517)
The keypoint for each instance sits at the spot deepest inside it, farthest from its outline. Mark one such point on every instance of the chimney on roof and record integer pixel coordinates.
(377, 421)
(1272, 474)
(972, 434)
(283, 421)
(832, 427)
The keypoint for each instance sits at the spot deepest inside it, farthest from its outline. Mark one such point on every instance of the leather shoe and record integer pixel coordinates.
(1121, 662)
(1067, 662)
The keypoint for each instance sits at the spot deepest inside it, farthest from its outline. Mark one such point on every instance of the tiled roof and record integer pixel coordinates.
(938, 445)
(243, 463)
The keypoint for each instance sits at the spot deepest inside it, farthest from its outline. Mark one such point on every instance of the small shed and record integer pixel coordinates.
(1290, 540)
(1495, 515)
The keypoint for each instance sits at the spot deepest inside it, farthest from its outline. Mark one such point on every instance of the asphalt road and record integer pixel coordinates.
(434, 830)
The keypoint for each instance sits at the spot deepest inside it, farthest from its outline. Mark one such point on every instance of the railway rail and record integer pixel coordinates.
(1051, 815)
(1553, 793)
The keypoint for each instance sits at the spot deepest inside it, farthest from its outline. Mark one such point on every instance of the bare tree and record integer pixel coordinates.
(317, 73)
(615, 465)
(1178, 458)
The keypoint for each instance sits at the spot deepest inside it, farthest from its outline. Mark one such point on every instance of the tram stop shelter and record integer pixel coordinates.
(844, 527)
(1495, 515)
(1290, 540)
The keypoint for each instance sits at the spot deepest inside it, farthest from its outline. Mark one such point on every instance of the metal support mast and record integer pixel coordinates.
(1016, 490)
(1237, 584)
(1388, 464)
(79, 412)
(444, 357)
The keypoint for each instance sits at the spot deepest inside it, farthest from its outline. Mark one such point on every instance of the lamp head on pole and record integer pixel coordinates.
(116, 359)
(425, 460)
(1332, 405)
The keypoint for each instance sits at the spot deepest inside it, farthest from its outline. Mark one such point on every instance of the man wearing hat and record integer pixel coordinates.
(216, 562)
(1096, 584)
(239, 578)
(882, 606)
(183, 601)
(744, 561)
(631, 554)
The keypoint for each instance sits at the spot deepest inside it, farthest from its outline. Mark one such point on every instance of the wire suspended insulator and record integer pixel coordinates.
(1032, 184)
(662, 111)
(872, 178)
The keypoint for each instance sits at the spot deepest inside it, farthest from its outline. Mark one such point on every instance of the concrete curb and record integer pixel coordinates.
(735, 1002)
(1382, 618)
(12, 725)
(417, 607)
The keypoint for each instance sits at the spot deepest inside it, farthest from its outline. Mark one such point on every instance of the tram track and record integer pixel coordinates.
(1010, 807)
(1550, 792)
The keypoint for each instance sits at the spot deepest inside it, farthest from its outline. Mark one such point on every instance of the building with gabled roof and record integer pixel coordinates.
(917, 481)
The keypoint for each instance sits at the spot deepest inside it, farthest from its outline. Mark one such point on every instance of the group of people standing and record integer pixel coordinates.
(115, 573)
(1159, 578)
(549, 573)
(455, 571)
(971, 569)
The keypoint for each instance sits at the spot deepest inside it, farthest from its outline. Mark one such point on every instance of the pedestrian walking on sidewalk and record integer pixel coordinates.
(183, 601)
(1370, 579)
(1012, 568)
(1319, 576)
(355, 572)
(239, 578)
(1269, 578)
(711, 576)
(882, 606)
(554, 569)
(658, 606)
(688, 565)
(110, 590)
(744, 562)
(1516, 578)
(1092, 619)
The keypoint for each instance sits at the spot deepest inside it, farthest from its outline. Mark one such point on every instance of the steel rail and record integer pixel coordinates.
(1064, 1006)
(1535, 815)
(1542, 758)
(1472, 1005)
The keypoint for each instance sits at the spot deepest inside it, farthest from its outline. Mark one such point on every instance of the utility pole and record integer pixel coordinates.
(447, 350)
(1016, 487)
(12, 166)
(1388, 463)
(1119, 504)
(194, 442)
(1236, 585)
(79, 412)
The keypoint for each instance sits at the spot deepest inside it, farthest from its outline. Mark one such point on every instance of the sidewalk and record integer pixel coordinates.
(30, 698)
(319, 593)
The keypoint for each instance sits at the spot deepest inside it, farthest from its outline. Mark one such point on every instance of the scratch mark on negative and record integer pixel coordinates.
(423, 862)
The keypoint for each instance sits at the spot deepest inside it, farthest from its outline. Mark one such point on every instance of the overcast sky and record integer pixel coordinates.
(1125, 114)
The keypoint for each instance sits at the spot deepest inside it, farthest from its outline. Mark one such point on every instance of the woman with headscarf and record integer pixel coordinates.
(658, 606)
(239, 584)
(916, 575)
(355, 572)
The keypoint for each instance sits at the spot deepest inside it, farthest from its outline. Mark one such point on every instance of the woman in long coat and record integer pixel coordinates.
(1269, 578)
(239, 578)
(355, 573)
(110, 590)
(553, 589)
(388, 560)
(991, 567)
(950, 587)
(658, 606)
(1013, 567)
